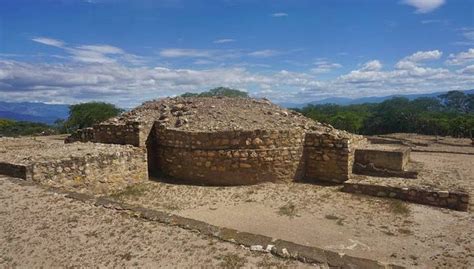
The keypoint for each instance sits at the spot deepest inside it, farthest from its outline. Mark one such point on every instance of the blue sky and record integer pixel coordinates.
(125, 52)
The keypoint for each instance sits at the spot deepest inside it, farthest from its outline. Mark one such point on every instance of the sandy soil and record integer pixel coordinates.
(383, 229)
(43, 229)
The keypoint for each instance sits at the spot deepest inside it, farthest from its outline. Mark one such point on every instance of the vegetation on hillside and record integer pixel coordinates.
(220, 91)
(80, 116)
(448, 114)
(23, 128)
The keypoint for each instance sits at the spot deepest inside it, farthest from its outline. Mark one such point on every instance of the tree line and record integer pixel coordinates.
(449, 114)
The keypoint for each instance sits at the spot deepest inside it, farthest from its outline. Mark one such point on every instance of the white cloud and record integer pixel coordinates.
(263, 53)
(424, 6)
(424, 56)
(469, 70)
(323, 66)
(415, 60)
(91, 53)
(49, 41)
(461, 58)
(224, 40)
(179, 53)
(114, 81)
(104, 49)
(279, 14)
(374, 65)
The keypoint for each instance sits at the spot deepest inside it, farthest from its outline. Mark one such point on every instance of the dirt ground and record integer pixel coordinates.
(382, 229)
(40, 229)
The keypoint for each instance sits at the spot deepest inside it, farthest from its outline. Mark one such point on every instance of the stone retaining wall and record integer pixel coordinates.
(15, 170)
(329, 158)
(100, 172)
(230, 157)
(448, 199)
(131, 133)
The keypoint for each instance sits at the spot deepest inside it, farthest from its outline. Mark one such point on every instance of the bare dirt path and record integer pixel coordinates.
(42, 229)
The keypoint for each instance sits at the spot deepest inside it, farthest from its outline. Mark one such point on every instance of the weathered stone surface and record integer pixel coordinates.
(99, 167)
(452, 200)
(231, 141)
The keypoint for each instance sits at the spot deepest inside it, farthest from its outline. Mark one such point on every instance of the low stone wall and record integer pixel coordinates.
(447, 199)
(395, 159)
(15, 170)
(100, 173)
(99, 170)
(329, 158)
(231, 157)
(81, 135)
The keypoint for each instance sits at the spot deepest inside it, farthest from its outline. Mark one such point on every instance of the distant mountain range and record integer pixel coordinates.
(343, 101)
(38, 112)
(48, 113)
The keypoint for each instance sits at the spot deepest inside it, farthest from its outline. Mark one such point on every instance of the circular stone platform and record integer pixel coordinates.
(225, 141)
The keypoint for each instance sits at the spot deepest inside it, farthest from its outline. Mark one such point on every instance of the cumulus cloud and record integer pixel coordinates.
(323, 66)
(415, 60)
(424, 56)
(461, 58)
(424, 6)
(279, 14)
(374, 65)
(468, 70)
(129, 85)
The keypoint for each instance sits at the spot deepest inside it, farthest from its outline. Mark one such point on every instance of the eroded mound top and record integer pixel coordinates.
(219, 114)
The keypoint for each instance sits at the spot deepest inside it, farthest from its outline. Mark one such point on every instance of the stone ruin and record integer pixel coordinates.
(229, 141)
(218, 141)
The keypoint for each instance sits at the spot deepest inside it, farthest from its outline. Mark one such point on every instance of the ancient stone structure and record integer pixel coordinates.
(98, 167)
(230, 141)
(441, 198)
(390, 158)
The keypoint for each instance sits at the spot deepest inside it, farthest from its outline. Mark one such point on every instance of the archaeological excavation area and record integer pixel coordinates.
(254, 167)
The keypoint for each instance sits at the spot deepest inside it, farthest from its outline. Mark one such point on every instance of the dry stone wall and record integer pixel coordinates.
(449, 199)
(230, 157)
(329, 158)
(101, 172)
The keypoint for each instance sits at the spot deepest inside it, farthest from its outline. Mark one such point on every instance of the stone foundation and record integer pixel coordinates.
(97, 167)
(453, 200)
(395, 159)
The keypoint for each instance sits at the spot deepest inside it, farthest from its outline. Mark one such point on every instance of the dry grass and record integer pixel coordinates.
(130, 191)
(231, 261)
(289, 209)
(399, 207)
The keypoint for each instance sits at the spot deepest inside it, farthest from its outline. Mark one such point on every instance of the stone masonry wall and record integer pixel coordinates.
(453, 200)
(328, 158)
(101, 173)
(131, 133)
(15, 170)
(230, 157)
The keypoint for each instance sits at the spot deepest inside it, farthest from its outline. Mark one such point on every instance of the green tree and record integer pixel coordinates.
(458, 101)
(87, 114)
(220, 91)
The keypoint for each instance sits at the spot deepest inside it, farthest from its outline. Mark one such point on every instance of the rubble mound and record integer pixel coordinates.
(208, 114)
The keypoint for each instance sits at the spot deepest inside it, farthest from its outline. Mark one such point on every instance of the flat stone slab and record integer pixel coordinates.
(383, 156)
